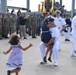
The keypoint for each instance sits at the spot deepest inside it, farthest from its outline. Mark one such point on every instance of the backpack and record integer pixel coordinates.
(68, 22)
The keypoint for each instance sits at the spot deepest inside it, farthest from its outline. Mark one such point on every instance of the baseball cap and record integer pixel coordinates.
(58, 11)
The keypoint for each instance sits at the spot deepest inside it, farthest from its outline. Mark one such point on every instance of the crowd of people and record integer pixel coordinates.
(20, 24)
(56, 26)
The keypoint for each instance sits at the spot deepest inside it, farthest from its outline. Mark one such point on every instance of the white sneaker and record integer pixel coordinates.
(74, 55)
(55, 64)
(75, 52)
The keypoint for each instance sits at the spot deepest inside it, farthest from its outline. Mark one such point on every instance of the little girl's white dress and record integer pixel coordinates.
(15, 58)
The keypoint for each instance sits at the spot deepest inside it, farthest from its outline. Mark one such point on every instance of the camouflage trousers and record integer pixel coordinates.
(0, 31)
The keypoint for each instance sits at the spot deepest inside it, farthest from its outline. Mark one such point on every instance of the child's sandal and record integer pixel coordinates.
(8, 72)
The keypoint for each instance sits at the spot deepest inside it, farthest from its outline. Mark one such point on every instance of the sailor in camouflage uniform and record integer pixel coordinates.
(34, 25)
(29, 24)
(6, 26)
(0, 26)
(13, 21)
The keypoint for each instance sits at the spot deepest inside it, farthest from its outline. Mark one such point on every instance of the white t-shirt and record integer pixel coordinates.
(54, 33)
(59, 22)
(74, 25)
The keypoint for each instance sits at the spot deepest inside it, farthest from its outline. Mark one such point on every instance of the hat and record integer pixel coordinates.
(58, 11)
(67, 14)
(50, 16)
(50, 19)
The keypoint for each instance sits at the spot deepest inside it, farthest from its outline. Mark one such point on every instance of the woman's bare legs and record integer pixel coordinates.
(50, 54)
(49, 48)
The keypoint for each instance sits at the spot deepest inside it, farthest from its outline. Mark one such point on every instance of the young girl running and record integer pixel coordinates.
(15, 58)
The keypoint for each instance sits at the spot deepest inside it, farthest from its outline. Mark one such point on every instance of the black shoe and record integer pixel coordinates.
(8, 72)
(44, 59)
(29, 34)
(43, 62)
(75, 52)
(6, 37)
(33, 36)
(67, 40)
(0, 37)
(25, 38)
(49, 59)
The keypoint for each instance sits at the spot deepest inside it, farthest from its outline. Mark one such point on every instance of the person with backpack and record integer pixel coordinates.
(68, 27)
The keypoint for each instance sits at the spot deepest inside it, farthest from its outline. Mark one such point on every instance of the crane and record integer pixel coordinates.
(48, 6)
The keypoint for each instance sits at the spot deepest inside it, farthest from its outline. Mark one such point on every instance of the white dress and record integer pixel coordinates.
(15, 58)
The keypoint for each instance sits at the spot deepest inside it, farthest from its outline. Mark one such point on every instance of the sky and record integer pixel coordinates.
(34, 4)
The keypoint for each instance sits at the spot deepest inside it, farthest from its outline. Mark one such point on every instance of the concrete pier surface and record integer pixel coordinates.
(32, 58)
